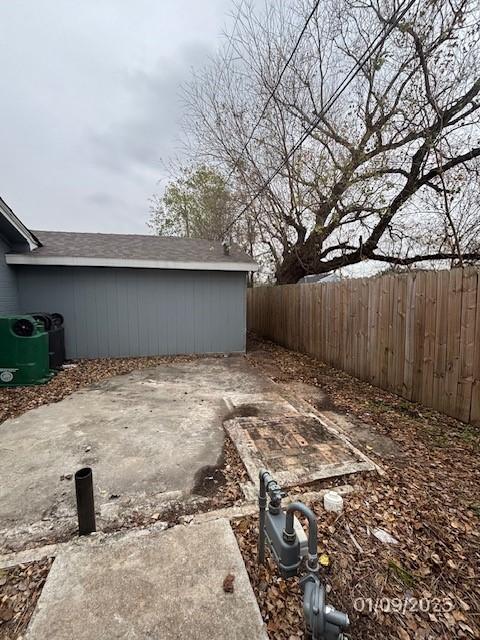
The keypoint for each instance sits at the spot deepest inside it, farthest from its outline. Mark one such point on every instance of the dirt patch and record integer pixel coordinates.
(222, 482)
(208, 480)
(243, 411)
(325, 404)
(361, 434)
(80, 373)
(429, 501)
(20, 588)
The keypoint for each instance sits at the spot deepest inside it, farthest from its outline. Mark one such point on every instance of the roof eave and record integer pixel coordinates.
(71, 261)
(32, 241)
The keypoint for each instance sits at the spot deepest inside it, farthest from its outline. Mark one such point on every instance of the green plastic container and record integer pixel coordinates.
(24, 357)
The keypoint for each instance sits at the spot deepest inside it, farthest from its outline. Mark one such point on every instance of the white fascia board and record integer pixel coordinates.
(32, 259)
(16, 224)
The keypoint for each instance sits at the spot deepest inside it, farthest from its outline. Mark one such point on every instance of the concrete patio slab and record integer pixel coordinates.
(146, 435)
(162, 586)
(233, 513)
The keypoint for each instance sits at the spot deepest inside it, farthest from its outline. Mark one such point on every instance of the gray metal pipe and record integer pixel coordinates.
(262, 504)
(299, 507)
(267, 484)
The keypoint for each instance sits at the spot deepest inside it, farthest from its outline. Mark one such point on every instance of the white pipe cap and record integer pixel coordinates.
(333, 501)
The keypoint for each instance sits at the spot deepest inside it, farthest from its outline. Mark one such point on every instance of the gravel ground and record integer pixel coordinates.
(428, 585)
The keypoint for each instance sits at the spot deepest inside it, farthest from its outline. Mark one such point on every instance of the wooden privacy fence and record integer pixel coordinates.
(415, 334)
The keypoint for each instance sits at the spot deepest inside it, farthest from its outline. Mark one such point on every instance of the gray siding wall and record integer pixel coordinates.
(8, 284)
(136, 312)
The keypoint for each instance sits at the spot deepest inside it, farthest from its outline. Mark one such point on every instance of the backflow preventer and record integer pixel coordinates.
(287, 543)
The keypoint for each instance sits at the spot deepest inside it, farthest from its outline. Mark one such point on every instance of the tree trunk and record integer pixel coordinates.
(301, 260)
(290, 271)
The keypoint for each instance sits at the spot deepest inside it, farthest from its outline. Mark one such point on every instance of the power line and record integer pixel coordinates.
(397, 16)
(228, 54)
(277, 84)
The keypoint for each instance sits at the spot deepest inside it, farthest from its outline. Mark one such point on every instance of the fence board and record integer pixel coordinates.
(467, 343)
(409, 338)
(390, 381)
(453, 340)
(416, 334)
(475, 400)
(383, 323)
(419, 336)
(429, 338)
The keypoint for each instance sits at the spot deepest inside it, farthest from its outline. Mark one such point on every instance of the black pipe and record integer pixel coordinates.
(85, 502)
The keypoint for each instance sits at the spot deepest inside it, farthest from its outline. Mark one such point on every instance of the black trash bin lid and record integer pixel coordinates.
(44, 318)
(57, 319)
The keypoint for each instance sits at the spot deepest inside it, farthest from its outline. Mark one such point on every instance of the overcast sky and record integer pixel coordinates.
(90, 104)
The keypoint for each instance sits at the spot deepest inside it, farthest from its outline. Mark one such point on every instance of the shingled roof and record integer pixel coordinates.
(106, 249)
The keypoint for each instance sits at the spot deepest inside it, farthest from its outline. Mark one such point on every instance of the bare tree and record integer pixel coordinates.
(380, 172)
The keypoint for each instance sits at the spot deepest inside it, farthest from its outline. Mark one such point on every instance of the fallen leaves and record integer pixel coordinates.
(6, 614)
(324, 560)
(20, 588)
(228, 583)
(428, 502)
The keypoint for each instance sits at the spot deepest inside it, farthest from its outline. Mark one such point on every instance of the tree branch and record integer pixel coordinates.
(454, 162)
(439, 255)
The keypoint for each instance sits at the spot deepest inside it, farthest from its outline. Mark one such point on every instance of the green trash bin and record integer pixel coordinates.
(24, 357)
